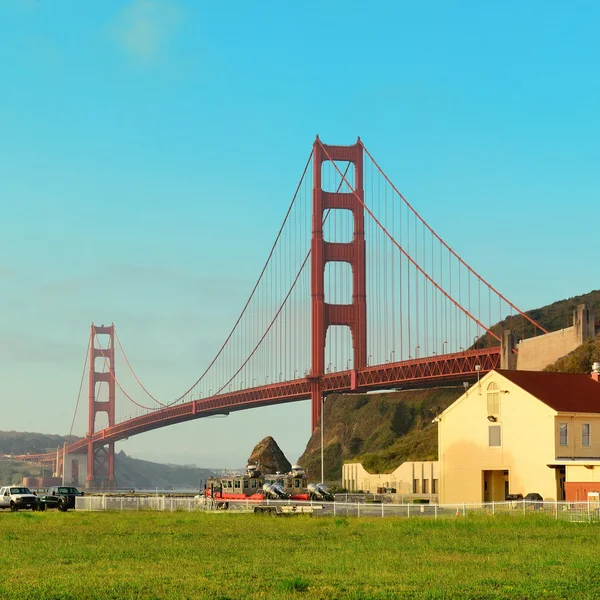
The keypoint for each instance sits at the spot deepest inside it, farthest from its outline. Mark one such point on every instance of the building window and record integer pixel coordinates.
(493, 399)
(236, 484)
(585, 434)
(563, 430)
(494, 435)
(415, 486)
(434, 486)
(426, 486)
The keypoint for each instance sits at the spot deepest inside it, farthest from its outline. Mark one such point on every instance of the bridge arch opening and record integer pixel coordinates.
(101, 421)
(102, 364)
(338, 283)
(339, 353)
(331, 180)
(339, 226)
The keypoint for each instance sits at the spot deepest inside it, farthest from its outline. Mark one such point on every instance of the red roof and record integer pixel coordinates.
(566, 392)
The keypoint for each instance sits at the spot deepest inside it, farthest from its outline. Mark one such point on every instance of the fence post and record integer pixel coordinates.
(493, 508)
(121, 503)
(382, 508)
(334, 509)
(435, 507)
(358, 509)
(523, 503)
(407, 510)
(138, 503)
(464, 509)
(556, 508)
(588, 507)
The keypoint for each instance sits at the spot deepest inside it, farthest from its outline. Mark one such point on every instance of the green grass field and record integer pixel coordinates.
(219, 555)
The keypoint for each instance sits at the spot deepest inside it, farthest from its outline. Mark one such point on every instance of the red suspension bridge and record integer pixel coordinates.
(357, 293)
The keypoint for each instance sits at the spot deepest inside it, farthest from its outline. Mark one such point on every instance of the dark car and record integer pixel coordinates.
(62, 498)
(534, 499)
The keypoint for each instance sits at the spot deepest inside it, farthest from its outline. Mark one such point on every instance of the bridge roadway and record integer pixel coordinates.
(420, 372)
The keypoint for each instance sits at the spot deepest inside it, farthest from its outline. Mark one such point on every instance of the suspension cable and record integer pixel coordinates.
(408, 256)
(244, 309)
(87, 353)
(409, 205)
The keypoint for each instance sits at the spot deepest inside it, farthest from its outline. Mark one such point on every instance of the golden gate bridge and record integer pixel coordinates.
(357, 293)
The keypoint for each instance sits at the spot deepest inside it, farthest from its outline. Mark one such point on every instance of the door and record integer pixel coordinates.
(495, 484)
(560, 484)
(4, 498)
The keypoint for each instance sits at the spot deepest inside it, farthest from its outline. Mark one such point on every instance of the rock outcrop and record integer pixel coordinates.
(269, 457)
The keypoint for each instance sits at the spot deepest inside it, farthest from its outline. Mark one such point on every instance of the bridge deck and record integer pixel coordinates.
(421, 372)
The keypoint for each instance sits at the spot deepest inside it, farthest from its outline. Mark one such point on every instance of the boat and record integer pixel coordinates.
(253, 485)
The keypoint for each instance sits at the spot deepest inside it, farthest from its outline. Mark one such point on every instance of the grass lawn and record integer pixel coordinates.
(220, 555)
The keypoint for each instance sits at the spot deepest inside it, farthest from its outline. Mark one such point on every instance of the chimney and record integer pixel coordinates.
(596, 371)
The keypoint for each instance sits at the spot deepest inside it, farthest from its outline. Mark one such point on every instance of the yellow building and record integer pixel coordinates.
(420, 478)
(521, 432)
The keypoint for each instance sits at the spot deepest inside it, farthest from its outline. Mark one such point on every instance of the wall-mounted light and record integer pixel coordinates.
(492, 418)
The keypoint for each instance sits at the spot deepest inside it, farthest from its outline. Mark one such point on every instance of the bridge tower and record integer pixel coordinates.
(324, 314)
(101, 457)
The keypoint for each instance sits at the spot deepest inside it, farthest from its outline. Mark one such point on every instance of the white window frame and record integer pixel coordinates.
(560, 442)
(589, 435)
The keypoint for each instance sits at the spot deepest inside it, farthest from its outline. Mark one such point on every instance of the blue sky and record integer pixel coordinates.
(149, 150)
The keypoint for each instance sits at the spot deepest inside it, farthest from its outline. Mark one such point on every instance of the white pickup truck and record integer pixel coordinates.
(16, 497)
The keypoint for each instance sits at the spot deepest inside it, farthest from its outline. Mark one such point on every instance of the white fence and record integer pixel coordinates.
(568, 511)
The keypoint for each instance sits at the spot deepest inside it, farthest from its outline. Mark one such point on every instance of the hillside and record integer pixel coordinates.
(135, 473)
(131, 473)
(13, 471)
(580, 360)
(382, 431)
(379, 430)
(26, 442)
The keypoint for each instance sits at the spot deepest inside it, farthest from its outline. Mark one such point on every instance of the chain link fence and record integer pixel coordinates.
(566, 511)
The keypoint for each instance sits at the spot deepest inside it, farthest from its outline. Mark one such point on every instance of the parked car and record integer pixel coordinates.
(61, 498)
(17, 498)
(534, 499)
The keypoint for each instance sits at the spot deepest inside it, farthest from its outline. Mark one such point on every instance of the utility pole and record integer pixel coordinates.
(322, 452)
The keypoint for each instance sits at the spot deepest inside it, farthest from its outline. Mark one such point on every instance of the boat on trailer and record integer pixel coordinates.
(253, 485)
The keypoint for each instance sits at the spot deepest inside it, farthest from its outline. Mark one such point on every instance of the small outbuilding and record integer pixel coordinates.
(419, 478)
(521, 432)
